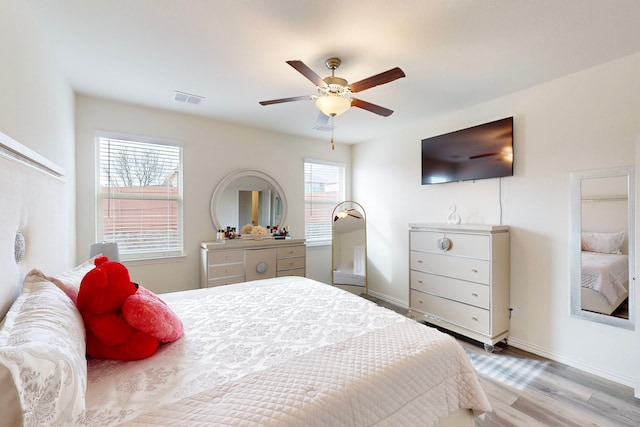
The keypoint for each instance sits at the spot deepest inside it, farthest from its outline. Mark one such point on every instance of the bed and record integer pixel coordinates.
(605, 281)
(605, 270)
(284, 351)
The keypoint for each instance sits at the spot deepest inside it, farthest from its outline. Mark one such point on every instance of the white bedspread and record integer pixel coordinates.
(287, 351)
(606, 274)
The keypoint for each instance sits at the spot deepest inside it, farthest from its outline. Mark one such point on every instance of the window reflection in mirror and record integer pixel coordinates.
(602, 246)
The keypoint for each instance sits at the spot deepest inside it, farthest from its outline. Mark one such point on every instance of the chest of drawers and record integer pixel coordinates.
(237, 261)
(459, 279)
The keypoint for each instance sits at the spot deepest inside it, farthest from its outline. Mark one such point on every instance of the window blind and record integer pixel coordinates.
(324, 189)
(140, 198)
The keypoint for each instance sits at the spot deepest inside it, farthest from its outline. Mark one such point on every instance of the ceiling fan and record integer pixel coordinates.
(334, 93)
(348, 212)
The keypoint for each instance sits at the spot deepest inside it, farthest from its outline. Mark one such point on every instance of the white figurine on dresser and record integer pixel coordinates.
(233, 261)
(459, 279)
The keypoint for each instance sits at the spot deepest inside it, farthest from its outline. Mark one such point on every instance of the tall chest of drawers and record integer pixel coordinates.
(459, 279)
(234, 261)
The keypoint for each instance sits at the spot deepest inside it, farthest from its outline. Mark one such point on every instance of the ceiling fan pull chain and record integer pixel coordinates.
(332, 146)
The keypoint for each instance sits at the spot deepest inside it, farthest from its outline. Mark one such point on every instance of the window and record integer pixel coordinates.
(139, 197)
(324, 188)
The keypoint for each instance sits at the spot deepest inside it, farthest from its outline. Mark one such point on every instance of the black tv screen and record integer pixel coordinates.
(478, 152)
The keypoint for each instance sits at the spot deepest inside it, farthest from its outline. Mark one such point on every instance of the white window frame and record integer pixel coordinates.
(100, 197)
(326, 237)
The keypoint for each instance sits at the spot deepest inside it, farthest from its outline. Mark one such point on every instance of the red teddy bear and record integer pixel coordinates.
(122, 320)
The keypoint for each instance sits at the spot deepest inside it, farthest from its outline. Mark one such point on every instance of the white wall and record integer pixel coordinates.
(587, 120)
(36, 102)
(212, 150)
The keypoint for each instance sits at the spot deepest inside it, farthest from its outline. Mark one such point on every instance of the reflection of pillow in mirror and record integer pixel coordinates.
(605, 243)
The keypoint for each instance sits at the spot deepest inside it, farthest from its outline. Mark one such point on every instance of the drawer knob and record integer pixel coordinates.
(419, 261)
(474, 270)
(261, 267)
(444, 244)
(474, 318)
(474, 294)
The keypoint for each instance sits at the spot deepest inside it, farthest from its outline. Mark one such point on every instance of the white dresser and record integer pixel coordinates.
(459, 279)
(233, 261)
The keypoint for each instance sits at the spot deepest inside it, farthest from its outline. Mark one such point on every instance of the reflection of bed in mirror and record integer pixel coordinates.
(604, 245)
(605, 281)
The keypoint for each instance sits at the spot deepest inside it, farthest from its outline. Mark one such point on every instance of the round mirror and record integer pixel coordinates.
(248, 197)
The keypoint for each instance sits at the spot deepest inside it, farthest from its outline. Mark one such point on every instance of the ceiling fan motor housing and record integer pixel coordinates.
(335, 86)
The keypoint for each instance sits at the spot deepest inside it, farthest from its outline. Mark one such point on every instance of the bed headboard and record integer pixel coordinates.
(33, 212)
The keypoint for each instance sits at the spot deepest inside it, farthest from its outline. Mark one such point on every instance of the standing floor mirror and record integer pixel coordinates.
(349, 248)
(602, 246)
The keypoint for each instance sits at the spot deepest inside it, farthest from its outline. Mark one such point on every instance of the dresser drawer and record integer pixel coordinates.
(463, 245)
(473, 270)
(225, 281)
(261, 264)
(291, 252)
(458, 290)
(226, 270)
(290, 263)
(467, 316)
(295, 272)
(225, 257)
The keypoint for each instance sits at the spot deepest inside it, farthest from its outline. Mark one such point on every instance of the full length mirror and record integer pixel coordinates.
(602, 246)
(349, 248)
(248, 197)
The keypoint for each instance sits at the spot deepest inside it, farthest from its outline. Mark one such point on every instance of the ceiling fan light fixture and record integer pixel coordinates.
(333, 105)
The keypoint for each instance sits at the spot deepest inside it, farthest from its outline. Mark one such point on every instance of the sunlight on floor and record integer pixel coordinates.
(512, 371)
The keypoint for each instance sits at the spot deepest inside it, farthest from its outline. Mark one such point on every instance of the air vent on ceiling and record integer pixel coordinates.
(188, 98)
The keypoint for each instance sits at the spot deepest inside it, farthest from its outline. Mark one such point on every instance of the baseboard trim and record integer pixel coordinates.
(578, 364)
(387, 298)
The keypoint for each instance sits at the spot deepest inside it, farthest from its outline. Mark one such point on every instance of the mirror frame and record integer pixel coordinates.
(576, 247)
(222, 186)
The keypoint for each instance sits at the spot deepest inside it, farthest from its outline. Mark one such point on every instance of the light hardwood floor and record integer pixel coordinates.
(526, 390)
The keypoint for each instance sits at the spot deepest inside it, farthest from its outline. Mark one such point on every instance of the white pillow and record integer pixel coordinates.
(42, 355)
(69, 281)
(605, 243)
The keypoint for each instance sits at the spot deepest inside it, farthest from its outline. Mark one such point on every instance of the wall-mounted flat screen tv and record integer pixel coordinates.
(478, 152)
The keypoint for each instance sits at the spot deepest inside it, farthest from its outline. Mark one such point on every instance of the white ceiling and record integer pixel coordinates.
(455, 53)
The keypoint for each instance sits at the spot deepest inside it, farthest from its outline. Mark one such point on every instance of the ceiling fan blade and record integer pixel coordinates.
(308, 73)
(378, 79)
(281, 100)
(371, 107)
(479, 156)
